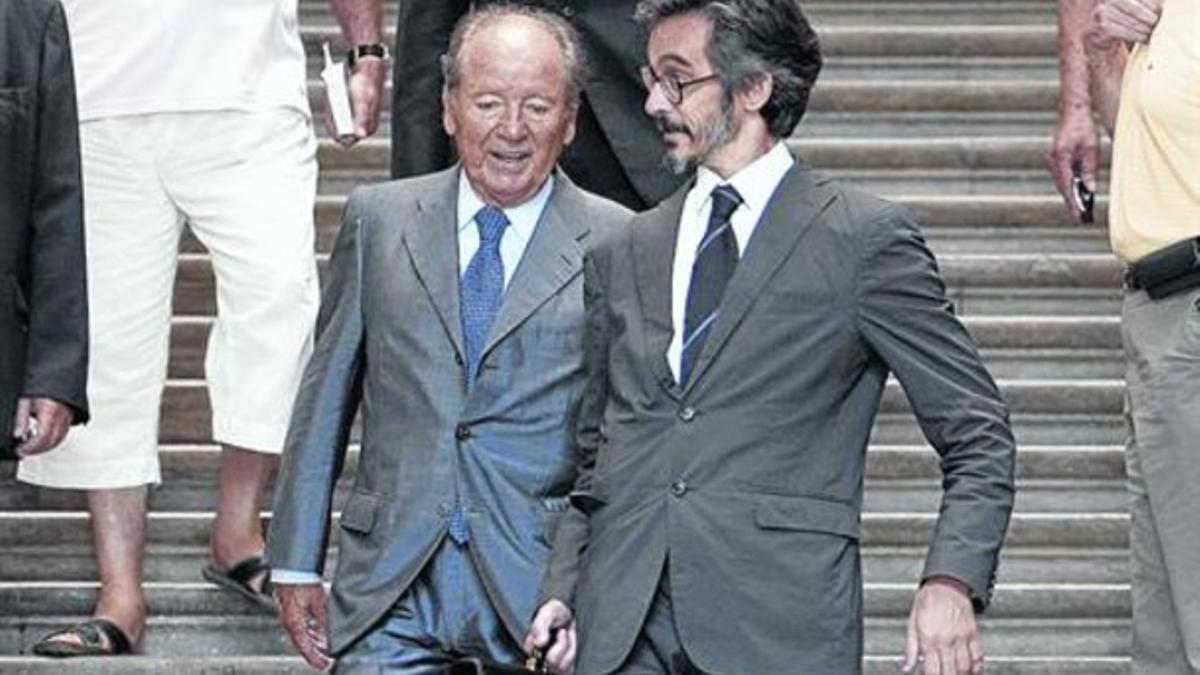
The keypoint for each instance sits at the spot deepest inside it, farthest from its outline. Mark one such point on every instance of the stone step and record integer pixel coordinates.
(186, 414)
(1032, 496)
(983, 223)
(1021, 276)
(166, 563)
(1077, 644)
(874, 39)
(1013, 348)
(885, 96)
(903, 12)
(217, 664)
(1045, 474)
(1029, 428)
(881, 600)
(1098, 642)
(824, 153)
(891, 529)
(282, 665)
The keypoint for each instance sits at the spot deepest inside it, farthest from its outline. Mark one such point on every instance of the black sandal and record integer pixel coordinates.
(91, 635)
(236, 580)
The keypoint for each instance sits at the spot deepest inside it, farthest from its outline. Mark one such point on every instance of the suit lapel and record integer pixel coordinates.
(432, 244)
(552, 258)
(793, 207)
(654, 255)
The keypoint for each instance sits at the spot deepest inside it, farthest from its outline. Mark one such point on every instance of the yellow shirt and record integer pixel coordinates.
(1155, 187)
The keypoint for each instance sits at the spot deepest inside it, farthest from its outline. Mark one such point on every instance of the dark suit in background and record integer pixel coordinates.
(617, 153)
(43, 295)
(743, 488)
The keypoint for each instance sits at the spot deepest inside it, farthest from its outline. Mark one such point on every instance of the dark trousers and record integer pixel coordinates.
(658, 649)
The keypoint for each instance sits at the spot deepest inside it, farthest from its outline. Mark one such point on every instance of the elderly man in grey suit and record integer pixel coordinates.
(454, 316)
(739, 337)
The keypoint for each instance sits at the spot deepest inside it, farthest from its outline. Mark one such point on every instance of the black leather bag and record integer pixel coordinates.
(1168, 271)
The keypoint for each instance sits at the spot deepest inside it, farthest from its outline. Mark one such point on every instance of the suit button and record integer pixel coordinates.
(679, 488)
(687, 414)
(443, 509)
(462, 432)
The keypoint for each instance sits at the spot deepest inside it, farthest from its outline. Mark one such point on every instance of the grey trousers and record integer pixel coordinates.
(1162, 353)
(446, 614)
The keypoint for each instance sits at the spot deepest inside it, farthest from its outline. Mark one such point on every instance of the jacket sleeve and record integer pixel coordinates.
(326, 404)
(419, 143)
(904, 315)
(571, 535)
(58, 314)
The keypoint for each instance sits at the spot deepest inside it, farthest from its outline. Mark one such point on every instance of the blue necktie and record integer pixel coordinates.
(481, 291)
(482, 288)
(716, 258)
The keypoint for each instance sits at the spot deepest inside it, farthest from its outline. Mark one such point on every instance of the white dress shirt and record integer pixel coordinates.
(755, 183)
(522, 220)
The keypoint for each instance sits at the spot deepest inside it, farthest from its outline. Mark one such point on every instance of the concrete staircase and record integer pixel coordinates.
(942, 105)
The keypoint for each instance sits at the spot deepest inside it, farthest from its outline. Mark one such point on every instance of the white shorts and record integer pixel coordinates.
(245, 182)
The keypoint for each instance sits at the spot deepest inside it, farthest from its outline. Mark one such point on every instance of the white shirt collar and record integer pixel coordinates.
(522, 218)
(755, 182)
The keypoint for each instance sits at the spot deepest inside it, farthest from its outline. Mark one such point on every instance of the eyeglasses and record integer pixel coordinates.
(672, 86)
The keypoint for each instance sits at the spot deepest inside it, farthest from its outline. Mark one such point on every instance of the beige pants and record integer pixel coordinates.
(245, 182)
(1162, 351)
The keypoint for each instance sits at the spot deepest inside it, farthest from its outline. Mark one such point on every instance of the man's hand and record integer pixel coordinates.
(554, 619)
(40, 425)
(1122, 21)
(302, 613)
(365, 87)
(942, 630)
(1076, 145)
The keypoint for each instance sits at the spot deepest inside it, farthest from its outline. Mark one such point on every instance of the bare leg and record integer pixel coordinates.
(241, 482)
(119, 537)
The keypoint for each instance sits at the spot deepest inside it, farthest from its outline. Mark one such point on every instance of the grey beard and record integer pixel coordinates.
(708, 139)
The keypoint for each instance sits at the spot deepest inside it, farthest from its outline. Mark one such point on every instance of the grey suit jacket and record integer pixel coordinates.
(43, 290)
(389, 339)
(747, 483)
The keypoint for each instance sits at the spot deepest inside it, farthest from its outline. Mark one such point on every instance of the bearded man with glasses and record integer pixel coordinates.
(732, 390)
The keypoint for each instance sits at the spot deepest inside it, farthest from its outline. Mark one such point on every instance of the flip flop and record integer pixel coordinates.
(91, 635)
(236, 580)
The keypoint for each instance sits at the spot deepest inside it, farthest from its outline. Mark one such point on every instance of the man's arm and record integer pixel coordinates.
(1076, 142)
(328, 399)
(1113, 25)
(362, 23)
(55, 391)
(556, 599)
(905, 317)
(419, 144)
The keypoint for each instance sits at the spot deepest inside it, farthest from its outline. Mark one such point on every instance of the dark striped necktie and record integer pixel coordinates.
(716, 259)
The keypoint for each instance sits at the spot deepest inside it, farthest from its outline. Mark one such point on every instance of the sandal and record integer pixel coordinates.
(236, 580)
(91, 634)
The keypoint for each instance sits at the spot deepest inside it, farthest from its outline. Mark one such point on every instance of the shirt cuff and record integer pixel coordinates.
(286, 577)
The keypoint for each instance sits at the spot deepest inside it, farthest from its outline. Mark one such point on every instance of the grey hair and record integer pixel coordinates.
(753, 38)
(569, 43)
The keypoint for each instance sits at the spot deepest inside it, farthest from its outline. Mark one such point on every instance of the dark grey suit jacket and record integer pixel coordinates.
(616, 145)
(747, 483)
(43, 292)
(389, 340)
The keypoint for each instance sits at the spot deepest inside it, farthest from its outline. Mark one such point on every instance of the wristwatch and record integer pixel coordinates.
(377, 49)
